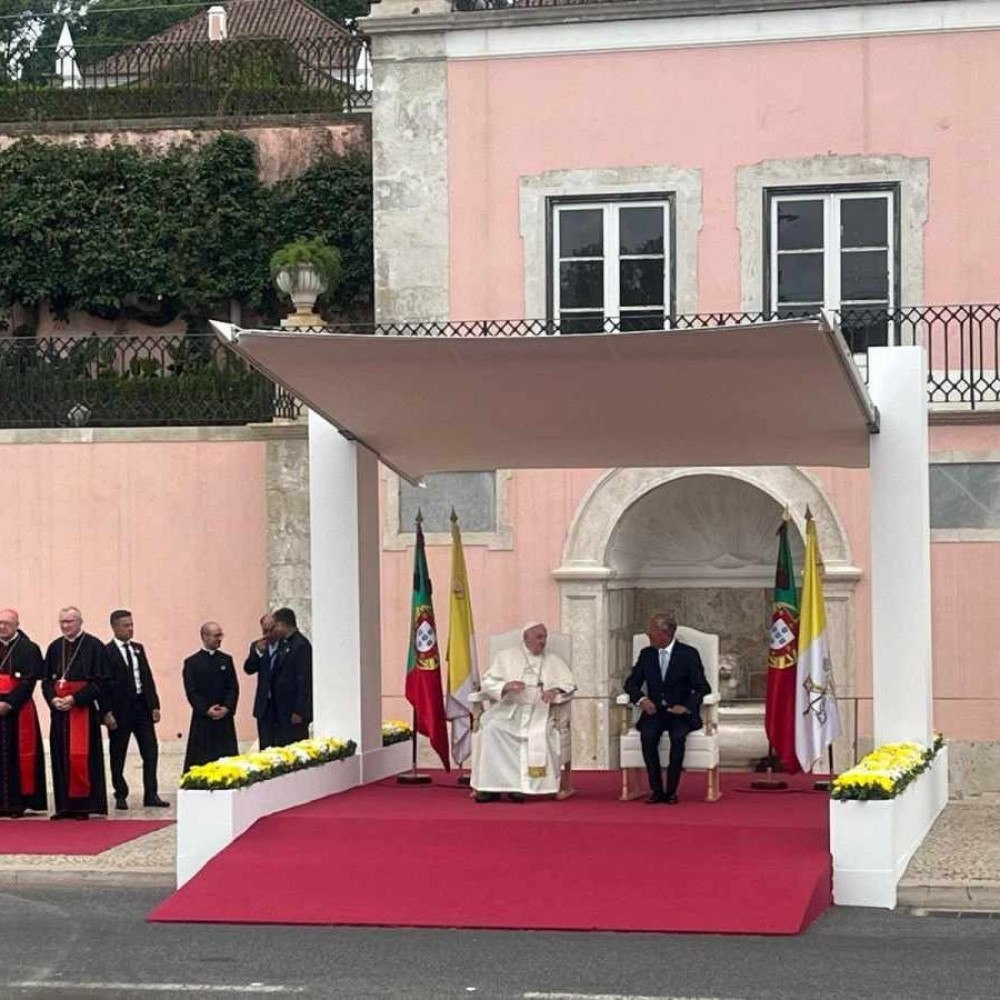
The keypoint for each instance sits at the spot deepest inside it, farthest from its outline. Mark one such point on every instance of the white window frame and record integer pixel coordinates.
(832, 200)
(612, 255)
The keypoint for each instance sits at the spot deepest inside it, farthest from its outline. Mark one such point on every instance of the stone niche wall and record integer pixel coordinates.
(739, 616)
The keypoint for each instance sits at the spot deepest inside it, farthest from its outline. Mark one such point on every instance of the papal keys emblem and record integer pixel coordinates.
(425, 640)
(783, 652)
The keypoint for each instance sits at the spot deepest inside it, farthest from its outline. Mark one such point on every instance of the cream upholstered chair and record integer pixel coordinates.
(701, 752)
(558, 643)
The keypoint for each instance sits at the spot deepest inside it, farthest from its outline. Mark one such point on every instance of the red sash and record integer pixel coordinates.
(27, 750)
(79, 740)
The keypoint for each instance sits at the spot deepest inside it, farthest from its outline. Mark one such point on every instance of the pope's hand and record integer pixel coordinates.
(550, 696)
(512, 687)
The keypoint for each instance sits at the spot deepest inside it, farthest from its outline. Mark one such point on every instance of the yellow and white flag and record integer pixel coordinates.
(817, 720)
(463, 668)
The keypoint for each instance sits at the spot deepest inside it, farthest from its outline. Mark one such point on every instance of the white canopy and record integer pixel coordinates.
(784, 393)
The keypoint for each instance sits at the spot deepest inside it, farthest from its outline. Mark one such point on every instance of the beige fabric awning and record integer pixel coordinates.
(784, 393)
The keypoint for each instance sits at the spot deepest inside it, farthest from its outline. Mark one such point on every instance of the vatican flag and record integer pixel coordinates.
(463, 670)
(817, 720)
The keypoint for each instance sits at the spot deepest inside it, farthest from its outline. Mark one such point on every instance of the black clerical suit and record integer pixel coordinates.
(263, 702)
(210, 679)
(78, 667)
(133, 701)
(291, 689)
(22, 759)
(684, 684)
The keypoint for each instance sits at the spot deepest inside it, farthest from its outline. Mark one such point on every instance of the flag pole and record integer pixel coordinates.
(413, 776)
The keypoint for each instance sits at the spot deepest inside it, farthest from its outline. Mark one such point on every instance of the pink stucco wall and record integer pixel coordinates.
(176, 532)
(715, 109)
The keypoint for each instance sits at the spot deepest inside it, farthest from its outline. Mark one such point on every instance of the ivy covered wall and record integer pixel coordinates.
(154, 235)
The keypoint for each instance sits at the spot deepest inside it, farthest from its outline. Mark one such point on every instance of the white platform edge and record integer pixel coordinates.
(873, 842)
(207, 822)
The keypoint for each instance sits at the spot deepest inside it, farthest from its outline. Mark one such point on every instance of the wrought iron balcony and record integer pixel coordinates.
(233, 79)
(132, 382)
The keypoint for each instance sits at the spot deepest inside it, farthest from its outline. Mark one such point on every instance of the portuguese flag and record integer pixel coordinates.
(423, 663)
(779, 717)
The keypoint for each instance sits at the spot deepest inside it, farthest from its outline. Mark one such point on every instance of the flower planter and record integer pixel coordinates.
(385, 761)
(872, 842)
(208, 821)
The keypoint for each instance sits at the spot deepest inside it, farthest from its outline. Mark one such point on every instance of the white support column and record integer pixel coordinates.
(900, 547)
(344, 548)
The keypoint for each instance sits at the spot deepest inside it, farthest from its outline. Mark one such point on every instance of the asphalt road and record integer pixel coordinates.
(67, 943)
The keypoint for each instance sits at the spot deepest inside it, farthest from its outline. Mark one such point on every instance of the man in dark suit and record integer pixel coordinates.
(259, 661)
(673, 678)
(291, 680)
(136, 709)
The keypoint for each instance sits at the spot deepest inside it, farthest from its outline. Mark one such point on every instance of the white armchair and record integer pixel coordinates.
(561, 645)
(701, 752)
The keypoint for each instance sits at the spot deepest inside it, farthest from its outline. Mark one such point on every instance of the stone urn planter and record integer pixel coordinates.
(304, 270)
(303, 286)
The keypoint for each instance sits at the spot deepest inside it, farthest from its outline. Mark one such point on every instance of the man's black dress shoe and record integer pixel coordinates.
(655, 797)
(121, 802)
(515, 796)
(671, 800)
(156, 804)
(487, 796)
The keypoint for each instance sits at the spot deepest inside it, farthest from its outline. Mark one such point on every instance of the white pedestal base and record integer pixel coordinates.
(873, 842)
(207, 822)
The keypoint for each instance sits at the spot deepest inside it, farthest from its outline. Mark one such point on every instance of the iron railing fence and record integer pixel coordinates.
(178, 379)
(464, 6)
(232, 79)
(141, 381)
(962, 341)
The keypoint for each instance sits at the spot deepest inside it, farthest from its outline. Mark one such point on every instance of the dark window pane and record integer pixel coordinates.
(800, 225)
(864, 222)
(865, 326)
(581, 233)
(641, 282)
(640, 230)
(581, 284)
(581, 322)
(645, 320)
(864, 274)
(800, 277)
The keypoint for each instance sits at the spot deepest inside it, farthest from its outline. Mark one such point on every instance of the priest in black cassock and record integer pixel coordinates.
(75, 684)
(22, 760)
(212, 690)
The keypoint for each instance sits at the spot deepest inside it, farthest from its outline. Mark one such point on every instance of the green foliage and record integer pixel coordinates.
(324, 260)
(332, 200)
(154, 235)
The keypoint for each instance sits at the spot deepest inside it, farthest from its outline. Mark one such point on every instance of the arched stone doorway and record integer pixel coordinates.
(701, 541)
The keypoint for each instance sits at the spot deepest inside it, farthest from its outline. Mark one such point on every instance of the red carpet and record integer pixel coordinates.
(39, 835)
(390, 855)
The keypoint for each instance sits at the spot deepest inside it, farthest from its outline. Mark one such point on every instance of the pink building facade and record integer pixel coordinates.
(623, 165)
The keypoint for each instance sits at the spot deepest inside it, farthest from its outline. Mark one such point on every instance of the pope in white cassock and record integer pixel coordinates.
(523, 735)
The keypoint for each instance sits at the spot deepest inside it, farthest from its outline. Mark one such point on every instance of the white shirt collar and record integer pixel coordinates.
(667, 650)
(121, 643)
